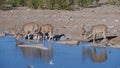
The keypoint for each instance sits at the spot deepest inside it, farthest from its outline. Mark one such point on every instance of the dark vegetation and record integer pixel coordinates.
(53, 4)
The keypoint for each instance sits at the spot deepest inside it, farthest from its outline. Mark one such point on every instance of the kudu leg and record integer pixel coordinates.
(38, 38)
(28, 37)
(104, 36)
(94, 36)
(50, 36)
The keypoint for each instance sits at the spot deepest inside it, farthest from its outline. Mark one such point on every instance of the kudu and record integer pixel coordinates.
(96, 29)
(47, 28)
(28, 29)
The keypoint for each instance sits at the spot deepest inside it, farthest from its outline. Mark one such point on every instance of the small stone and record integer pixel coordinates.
(51, 62)
(28, 9)
(104, 20)
(30, 66)
(116, 20)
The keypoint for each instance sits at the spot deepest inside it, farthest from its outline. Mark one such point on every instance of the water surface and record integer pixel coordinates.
(62, 56)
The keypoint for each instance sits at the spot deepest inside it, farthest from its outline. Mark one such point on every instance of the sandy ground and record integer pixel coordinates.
(64, 22)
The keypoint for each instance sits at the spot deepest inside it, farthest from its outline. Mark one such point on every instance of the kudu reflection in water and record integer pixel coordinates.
(36, 53)
(94, 54)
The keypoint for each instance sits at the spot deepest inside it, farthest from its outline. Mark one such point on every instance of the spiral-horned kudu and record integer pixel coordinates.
(28, 29)
(37, 31)
(96, 29)
(46, 28)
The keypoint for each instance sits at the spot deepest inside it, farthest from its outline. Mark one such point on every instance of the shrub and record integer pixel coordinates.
(49, 4)
(43, 4)
(22, 2)
(87, 3)
(62, 4)
(15, 3)
(2, 2)
(114, 2)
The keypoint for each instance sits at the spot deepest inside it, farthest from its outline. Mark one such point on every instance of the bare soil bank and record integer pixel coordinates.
(64, 22)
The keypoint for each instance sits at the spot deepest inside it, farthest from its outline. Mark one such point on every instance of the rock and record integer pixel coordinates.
(111, 27)
(40, 46)
(2, 34)
(28, 9)
(30, 66)
(116, 46)
(104, 20)
(116, 20)
(69, 42)
(51, 62)
(114, 41)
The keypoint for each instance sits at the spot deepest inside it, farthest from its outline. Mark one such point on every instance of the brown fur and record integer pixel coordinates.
(47, 28)
(96, 29)
(29, 28)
